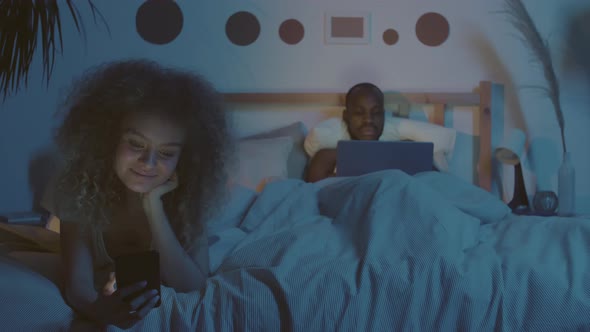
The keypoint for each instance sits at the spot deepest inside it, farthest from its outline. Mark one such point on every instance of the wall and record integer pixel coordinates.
(481, 46)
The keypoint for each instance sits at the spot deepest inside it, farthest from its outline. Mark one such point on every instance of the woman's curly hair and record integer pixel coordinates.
(94, 111)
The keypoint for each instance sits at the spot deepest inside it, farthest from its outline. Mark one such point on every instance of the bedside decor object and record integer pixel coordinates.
(510, 153)
(545, 202)
(566, 187)
(538, 46)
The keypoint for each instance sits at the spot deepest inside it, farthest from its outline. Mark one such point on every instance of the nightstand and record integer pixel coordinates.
(535, 213)
(525, 211)
(25, 231)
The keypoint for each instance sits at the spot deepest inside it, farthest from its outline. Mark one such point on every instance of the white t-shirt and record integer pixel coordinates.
(326, 134)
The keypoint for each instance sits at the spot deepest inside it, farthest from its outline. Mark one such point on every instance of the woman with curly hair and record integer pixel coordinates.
(144, 150)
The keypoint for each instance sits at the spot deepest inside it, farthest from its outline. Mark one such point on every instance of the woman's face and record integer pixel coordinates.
(148, 152)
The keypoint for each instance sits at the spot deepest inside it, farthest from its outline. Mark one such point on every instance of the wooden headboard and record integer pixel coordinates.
(487, 97)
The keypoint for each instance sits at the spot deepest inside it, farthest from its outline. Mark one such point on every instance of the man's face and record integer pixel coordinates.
(364, 117)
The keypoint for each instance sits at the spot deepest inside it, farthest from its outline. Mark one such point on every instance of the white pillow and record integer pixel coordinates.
(325, 135)
(30, 301)
(328, 132)
(260, 159)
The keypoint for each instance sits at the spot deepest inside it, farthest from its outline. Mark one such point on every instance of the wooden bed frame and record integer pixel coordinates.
(488, 97)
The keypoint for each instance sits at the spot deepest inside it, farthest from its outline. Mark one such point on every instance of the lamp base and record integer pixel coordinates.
(520, 200)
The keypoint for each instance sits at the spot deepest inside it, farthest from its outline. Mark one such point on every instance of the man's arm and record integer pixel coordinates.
(322, 165)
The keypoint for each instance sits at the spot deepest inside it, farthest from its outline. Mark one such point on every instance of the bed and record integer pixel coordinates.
(485, 105)
(381, 252)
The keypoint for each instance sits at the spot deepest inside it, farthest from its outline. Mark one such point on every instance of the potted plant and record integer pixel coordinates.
(26, 26)
(521, 20)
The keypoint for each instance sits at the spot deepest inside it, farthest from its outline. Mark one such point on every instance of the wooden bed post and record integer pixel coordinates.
(438, 116)
(490, 130)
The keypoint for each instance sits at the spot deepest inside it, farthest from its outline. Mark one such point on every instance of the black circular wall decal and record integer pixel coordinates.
(390, 37)
(291, 31)
(432, 29)
(242, 28)
(159, 21)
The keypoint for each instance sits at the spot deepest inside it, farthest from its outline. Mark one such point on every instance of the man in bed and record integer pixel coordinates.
(364, 117)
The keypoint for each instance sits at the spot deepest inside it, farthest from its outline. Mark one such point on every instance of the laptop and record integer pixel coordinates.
(355, 158)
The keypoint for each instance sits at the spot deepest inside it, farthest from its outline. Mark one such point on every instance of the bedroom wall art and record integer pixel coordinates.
(242, 28)
(159, 21)
(347, 28)
(390, 37)
(291, 31)
(432, 29)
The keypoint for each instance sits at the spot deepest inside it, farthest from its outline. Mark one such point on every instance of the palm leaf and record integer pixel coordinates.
(529, 34)
(25, 24)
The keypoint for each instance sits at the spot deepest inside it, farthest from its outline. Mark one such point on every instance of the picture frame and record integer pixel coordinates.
(347, 27)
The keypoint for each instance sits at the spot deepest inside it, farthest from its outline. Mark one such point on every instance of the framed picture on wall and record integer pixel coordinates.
(347, 28)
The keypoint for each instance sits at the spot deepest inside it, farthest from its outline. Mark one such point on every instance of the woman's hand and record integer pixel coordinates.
(111, 286)
(164, 188)
(152, 200)
(123, 307)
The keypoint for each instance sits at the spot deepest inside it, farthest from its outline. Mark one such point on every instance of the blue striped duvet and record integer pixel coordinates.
(389, 252)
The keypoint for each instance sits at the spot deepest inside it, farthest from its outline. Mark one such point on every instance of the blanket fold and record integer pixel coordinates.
(390, 252)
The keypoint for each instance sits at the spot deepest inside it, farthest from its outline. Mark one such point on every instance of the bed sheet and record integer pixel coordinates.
(386, 251)
(31, 298)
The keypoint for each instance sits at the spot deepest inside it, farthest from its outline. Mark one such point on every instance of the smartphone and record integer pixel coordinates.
(136, 267)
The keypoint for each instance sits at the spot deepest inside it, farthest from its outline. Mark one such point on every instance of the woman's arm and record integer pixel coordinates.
(105, 309)
(76, 256)
(78, 268)
(322, 165)
(182, 271)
